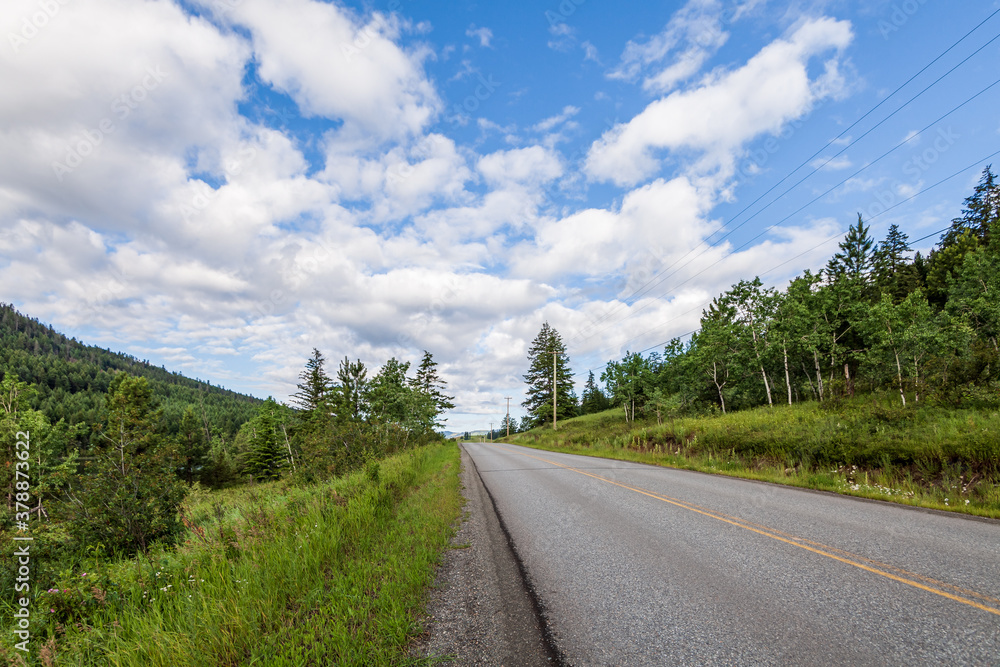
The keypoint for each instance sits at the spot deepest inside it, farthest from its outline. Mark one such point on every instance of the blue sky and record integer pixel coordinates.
(219, 186)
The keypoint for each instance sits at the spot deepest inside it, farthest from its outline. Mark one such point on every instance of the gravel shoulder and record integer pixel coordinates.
(480, 612)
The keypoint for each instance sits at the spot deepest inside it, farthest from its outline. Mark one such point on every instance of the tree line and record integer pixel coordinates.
(116, 483)
(876, 318)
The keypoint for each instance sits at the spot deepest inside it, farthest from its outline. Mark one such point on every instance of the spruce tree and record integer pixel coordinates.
(982, 210)
(315, 384)
(594, 400)
(126, 495)
(349, 403)
(539, 378)
(893, 274)
(855, 259)
(265, 457)
(192, 447)
(428, 381)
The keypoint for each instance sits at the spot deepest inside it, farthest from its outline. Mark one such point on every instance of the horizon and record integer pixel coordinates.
(219, 187)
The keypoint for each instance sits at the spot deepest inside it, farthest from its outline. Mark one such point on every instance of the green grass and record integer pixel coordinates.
(929, 456)
(272, 575)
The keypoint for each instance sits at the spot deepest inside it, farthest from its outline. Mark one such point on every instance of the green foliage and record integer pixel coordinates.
(980, 214)
(348, 401)
(314, 386)
(593, 399)
(127, 494)
(873, 319)
(325, 574)
(428, 381)
(264, 456)
(192, 447)
(547, 356)
(71, 381)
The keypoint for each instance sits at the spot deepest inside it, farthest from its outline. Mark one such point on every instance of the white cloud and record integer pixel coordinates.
(722, 113)
(832, 163)
(104, 107)
(335, 65)
(677, 53)
(533, 166)
(552, 121)
(484, 35)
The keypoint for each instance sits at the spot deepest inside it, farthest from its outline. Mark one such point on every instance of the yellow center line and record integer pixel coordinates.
(848, 558)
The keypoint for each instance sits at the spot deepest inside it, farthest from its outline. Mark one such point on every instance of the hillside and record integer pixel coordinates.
(932, 456)
(72, 378)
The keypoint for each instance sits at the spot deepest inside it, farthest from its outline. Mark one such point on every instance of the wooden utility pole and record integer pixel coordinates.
(508, 414)
(491, 431)
(555, 390)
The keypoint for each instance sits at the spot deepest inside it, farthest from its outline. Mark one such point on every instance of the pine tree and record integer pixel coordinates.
(539, 378)
(265, 458)
(127, 495)
(855, 259)
(428, 381)
(893, 274)
(192, 446)
(349, 399)
(315, 384)
(982, 209)
(594, 400)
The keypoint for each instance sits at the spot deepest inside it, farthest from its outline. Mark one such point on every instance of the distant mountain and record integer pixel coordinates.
(72, 379)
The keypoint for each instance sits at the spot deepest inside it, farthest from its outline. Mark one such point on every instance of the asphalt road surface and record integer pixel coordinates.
(639, 565)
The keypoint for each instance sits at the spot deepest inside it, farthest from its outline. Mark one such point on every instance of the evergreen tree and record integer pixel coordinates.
(507, 424)
(127, 495)
(855, 259)
(982, 210)
(539, 378)
(315, 384)
(192, 447)
(893, 274)
(265, 456)
(594, 400)
(428, 381)
(349, 398)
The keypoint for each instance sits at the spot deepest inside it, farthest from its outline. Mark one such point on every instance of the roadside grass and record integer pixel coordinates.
(928, 456)
(271, 575)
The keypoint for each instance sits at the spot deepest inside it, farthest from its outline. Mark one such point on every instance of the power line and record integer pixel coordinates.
(650, 283)
(801, 208)
(810, 250)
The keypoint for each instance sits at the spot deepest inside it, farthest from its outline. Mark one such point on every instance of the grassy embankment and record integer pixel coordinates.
(928, 456)
(269, 575)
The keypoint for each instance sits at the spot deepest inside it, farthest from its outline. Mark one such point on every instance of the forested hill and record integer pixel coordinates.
(72, 379)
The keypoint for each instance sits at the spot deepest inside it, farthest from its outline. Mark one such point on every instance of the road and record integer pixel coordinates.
(640, 565)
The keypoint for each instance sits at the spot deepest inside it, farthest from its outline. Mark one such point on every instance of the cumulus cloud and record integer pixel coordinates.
(717, 117)
(193, 231)
(339, 66)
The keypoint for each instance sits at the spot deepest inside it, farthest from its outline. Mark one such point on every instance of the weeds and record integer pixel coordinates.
(276, 574)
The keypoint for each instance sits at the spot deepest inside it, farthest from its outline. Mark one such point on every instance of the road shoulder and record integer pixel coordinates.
(480, 611)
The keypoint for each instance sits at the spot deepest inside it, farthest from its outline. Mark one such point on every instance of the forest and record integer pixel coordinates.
(878, 318)
(117, 444)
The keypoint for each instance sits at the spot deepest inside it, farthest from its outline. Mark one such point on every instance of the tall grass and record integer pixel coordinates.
(272, 575)
(931, 456)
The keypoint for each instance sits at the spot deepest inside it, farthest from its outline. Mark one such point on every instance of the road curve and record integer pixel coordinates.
(640, 565)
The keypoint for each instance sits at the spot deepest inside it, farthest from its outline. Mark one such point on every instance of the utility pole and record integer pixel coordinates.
(491, 431)
(508, 414)
(555, 390)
